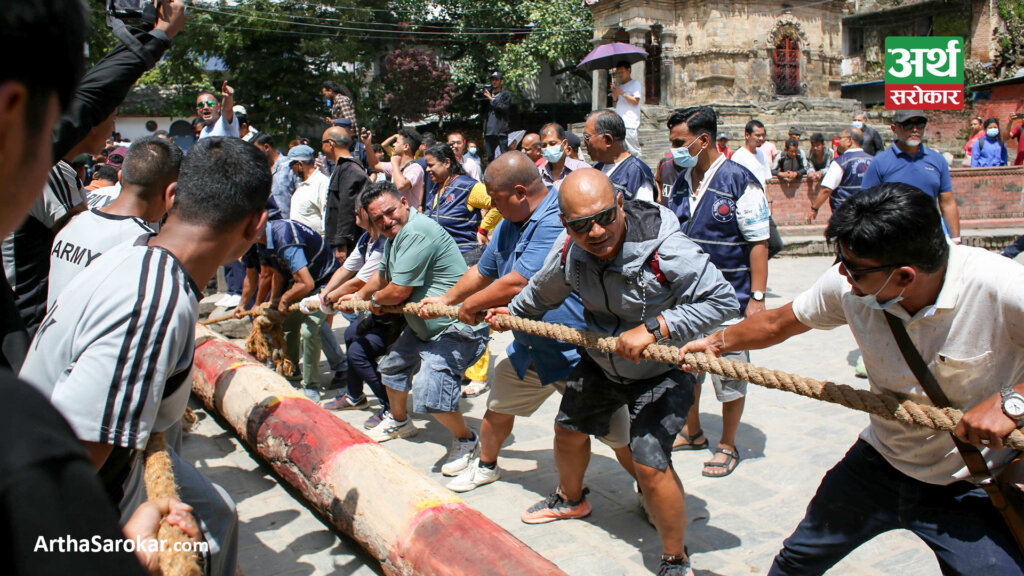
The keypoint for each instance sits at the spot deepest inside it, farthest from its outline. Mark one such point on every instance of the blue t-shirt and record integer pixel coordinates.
(927, 170)
(523, 248)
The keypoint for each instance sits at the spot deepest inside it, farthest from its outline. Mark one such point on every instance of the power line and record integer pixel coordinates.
(385, 31)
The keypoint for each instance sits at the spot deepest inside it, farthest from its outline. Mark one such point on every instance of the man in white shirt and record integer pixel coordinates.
(309, 201)
(963, 310)
(750, 154)
(457, 142)
(626, 95)
(218, 117)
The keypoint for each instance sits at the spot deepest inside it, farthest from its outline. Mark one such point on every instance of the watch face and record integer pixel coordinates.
(1014, 405)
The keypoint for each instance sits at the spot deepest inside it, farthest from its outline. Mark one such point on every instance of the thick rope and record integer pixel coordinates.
(883, 405)
(159, 479)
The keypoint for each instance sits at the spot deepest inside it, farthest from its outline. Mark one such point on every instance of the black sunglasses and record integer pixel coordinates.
(914, 123)
(856, 273)
(604, 218)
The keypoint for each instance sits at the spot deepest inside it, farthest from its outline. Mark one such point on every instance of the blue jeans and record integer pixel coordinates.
(433, 370)
(234, 276)
(864, 496)
(363, 352)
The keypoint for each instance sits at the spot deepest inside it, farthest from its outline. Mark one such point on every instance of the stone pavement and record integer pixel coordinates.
(735, 524)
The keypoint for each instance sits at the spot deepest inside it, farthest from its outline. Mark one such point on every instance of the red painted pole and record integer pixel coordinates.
(407, 521)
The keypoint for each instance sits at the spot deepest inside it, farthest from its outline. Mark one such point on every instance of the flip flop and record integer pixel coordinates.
(690, 445)
(732, 460)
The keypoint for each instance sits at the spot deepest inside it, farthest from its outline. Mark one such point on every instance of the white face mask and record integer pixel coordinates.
(857, 124)
(871, 300)
(992, 132)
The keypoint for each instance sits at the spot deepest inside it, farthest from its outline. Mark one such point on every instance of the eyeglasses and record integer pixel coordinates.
(587, 137)
(857, 273)
(206, 104)
(914, 123)
(604, 218)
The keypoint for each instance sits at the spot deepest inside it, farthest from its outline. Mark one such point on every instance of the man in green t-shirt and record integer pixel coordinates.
(420, 259)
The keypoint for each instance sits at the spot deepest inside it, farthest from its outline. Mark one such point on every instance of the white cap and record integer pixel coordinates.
(239, 109)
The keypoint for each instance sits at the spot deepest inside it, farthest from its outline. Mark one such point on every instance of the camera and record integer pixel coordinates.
(140, 14)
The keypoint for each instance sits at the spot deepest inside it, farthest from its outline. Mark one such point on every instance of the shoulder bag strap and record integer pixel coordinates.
(971, 455)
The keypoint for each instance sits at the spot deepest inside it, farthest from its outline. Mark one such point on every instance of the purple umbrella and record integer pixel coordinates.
(611, 55)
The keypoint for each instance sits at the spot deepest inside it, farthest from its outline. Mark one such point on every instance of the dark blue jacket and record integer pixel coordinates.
(629, 176)
(451, 210)
(714, 227)
(320, 260)
(854, 164)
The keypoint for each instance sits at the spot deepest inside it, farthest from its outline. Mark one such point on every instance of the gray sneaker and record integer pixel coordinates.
(389, 429)
(461, 454)
(473, 477)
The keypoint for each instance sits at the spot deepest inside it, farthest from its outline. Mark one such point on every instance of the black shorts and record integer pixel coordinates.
(657, 408)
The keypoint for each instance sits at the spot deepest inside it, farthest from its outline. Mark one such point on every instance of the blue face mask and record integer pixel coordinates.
(992, 132)
(552, 153)
(472, 150)
(871, 300)
(681, 156)
(857, 124)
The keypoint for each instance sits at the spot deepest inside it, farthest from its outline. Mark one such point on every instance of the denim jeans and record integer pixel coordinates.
(433, 370)
(864, 496)
(363, 352)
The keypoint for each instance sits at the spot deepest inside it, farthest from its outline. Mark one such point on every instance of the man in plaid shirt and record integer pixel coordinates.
(340, 100)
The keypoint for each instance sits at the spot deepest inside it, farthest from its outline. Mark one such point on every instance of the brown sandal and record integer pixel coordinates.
(732, 460)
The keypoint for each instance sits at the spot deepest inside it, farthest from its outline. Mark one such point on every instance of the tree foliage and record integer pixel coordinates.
(417, 84)
(1010, 54)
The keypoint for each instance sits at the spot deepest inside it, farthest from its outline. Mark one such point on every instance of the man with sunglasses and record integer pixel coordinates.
(909, 161)
(963, 310)
(218, 117)
(642, 280)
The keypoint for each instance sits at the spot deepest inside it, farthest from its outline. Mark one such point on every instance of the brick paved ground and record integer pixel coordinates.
(735, 524)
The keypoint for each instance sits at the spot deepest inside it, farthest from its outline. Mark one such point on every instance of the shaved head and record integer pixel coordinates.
(335, 133)
(593, 213)
(509, 169)
(531, 145)
(582, 188)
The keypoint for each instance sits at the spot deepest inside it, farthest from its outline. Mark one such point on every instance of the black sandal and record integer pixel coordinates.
(690, 444)
(732, 460)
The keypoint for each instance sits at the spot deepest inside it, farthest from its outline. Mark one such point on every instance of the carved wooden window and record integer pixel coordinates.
(786, 67)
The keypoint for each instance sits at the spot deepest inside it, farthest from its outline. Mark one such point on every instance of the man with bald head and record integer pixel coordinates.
(642, 280)
(535, 366)
(532, 147)
(347, 181)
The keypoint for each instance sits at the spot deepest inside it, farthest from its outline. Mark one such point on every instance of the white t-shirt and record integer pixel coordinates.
(101, 197)
(630, 113)
(309, 201)
(114, 355)
(365, 265)
(834, 173)
(82, 240)
(221, 128)
(971, 339)
(758, 164)
(413, 172)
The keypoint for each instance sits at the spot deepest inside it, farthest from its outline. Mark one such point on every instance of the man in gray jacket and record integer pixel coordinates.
(642, 280)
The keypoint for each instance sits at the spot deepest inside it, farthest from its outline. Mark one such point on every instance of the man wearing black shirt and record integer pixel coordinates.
(494, 109)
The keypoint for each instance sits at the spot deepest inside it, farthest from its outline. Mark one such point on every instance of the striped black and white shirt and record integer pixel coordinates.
(26, 251)
(82, 240)
(114, 354)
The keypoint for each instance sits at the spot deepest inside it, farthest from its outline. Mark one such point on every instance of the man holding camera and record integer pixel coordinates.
(494, 109)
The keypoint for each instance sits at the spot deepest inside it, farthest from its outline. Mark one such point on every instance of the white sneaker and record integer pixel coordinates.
(474, 476)
(389, 429)
(230, 301)
(461, 454)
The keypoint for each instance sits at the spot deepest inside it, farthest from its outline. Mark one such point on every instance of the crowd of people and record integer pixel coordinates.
(106, 278)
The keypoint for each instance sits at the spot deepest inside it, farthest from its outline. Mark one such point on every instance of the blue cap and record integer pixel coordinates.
(301, 153)
(343, 122)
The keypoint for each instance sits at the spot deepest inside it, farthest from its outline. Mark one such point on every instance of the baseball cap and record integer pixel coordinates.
(904, 115)
(795, 130)
(239, 109)
(723, 136)
(116, 156)
(301, 153)
(573, 140)
(498, 75)
(343, 122)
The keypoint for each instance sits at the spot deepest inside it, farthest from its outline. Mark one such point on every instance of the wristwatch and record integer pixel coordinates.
(654, 327)
(1013, 406)
(373, 300)
(757, 296)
